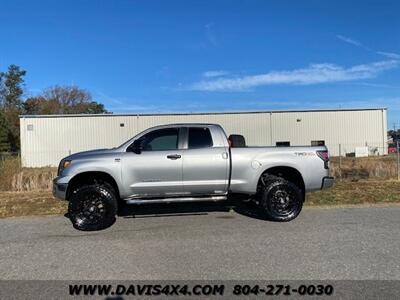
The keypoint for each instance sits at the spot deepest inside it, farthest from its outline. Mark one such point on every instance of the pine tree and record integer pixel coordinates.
(13, 82)
(4, 135)
(11, 104)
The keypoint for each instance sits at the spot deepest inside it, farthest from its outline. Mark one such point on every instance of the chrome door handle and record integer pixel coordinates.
(173, 156)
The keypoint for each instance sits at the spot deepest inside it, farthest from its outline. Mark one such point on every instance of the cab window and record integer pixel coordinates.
(160, 140)
(199, 137)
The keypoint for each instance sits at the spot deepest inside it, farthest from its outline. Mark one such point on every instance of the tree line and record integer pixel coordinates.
(53, 100)
(395, 135)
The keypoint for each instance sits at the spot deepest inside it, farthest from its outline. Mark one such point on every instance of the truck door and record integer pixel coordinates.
(205, 166)
(157, 169)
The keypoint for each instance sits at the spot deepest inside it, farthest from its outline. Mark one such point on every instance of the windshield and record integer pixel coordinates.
(130, 140)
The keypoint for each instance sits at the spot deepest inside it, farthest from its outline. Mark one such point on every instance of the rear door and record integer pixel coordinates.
(205, 166)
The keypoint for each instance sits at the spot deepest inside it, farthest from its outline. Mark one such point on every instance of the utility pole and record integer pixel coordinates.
(340, 161)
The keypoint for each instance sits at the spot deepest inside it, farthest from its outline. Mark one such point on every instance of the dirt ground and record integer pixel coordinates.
(14, 204)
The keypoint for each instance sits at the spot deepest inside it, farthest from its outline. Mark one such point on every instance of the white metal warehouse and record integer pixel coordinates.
(45, 139)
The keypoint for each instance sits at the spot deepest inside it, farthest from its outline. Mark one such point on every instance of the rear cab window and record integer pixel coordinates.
(199, 137)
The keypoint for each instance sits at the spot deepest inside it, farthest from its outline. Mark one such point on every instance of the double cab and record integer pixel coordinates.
(188, 162)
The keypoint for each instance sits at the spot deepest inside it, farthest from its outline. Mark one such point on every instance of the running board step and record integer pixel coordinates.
(181, 199)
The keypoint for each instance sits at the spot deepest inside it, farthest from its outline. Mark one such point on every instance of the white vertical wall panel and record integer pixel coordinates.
(350, 129)
(54, 137)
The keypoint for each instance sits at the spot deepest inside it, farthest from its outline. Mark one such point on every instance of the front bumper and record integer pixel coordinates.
(327, 182)
(59, 189)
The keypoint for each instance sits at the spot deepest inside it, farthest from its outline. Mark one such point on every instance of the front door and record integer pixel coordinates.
(157, 170)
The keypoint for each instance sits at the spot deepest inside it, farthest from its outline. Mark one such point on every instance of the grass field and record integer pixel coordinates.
(357, 192)
(15, 204)
(27, 191)
(15, 178)
(364, 167)
(344, 192)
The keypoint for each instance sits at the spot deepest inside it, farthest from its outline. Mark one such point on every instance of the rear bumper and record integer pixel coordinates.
(327, 182)
(59, 189)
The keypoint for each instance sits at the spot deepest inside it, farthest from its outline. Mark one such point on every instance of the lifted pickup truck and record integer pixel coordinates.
(188, 162)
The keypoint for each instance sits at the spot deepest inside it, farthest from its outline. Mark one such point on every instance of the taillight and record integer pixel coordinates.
(324, 155)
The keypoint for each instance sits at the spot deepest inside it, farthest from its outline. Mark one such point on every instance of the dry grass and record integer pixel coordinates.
(15, 204)
(357, 192)
(8, 168)
(33, 179)
(25, 191)
(15, 178)
(364, 167)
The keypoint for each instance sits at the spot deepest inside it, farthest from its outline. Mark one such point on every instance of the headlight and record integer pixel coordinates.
(63, 165)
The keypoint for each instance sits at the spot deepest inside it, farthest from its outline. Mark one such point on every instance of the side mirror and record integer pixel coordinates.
(136, 147)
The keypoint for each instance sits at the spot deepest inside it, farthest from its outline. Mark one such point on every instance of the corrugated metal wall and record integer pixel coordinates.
(350, 129)
(45, 139)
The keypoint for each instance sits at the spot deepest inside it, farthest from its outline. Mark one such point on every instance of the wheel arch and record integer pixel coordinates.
(91, 177)
(289, 173)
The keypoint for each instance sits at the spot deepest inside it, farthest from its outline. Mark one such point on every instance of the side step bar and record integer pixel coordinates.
(180, 199)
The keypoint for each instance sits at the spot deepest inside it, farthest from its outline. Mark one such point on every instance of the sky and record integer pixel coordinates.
(205, 56)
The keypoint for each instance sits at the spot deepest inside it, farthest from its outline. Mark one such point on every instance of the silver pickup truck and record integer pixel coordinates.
(188, 162)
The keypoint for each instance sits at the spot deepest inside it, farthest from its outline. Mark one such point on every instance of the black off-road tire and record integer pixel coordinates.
(279, 200)
(93, 207)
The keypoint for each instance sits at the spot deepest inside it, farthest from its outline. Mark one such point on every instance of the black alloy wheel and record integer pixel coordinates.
(279, 199)
(92, 207)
